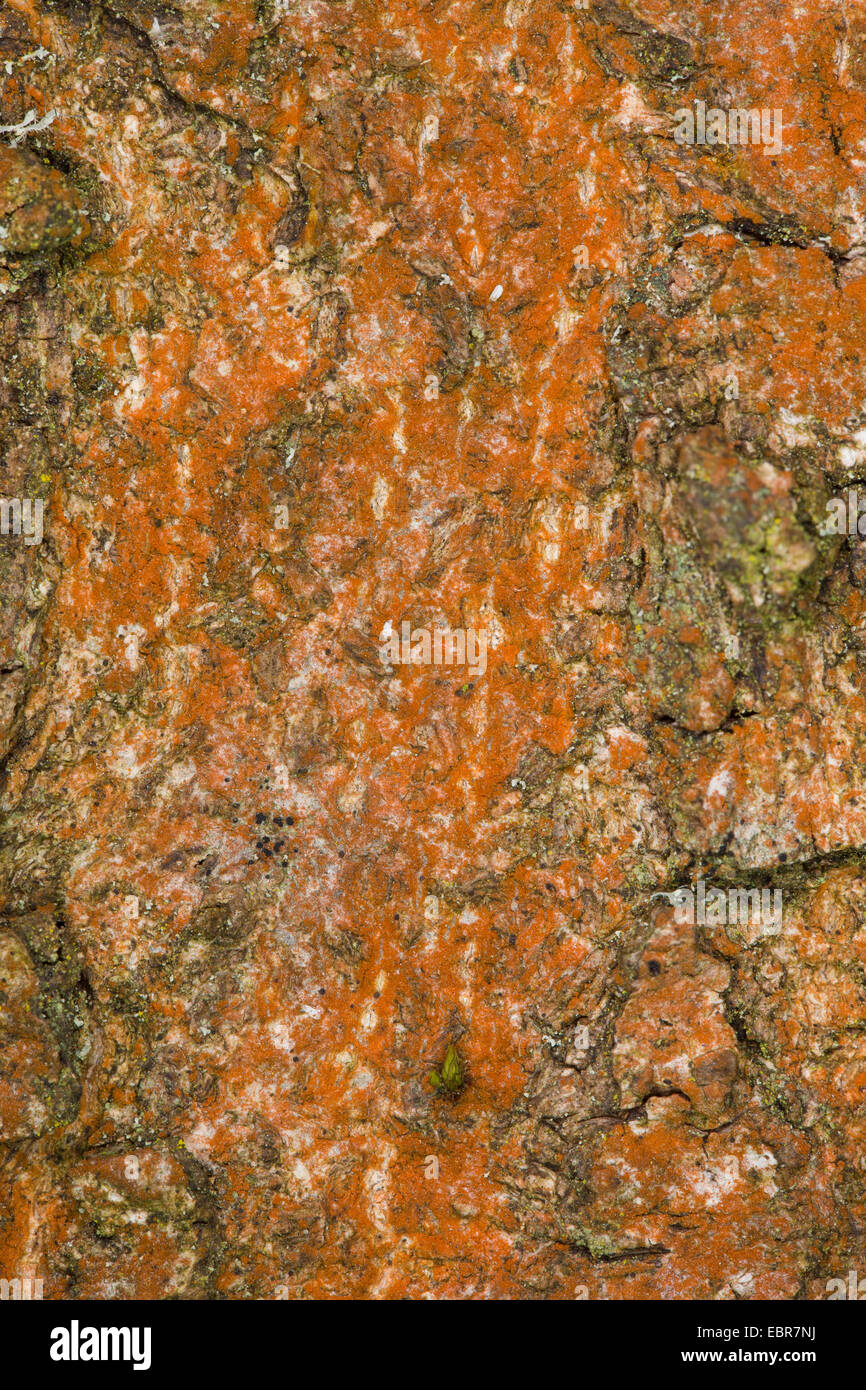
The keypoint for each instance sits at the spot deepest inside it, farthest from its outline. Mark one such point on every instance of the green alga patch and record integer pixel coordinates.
(451, 1077)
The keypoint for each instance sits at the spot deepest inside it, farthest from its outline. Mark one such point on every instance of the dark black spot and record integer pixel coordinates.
(654, 967)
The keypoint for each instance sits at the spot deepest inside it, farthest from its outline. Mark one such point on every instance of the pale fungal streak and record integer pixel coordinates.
(28, 126)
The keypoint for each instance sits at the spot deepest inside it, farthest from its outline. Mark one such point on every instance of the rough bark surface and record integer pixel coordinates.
(320, 315)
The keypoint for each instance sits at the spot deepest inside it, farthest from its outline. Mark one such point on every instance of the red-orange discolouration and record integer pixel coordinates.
(394, 314)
